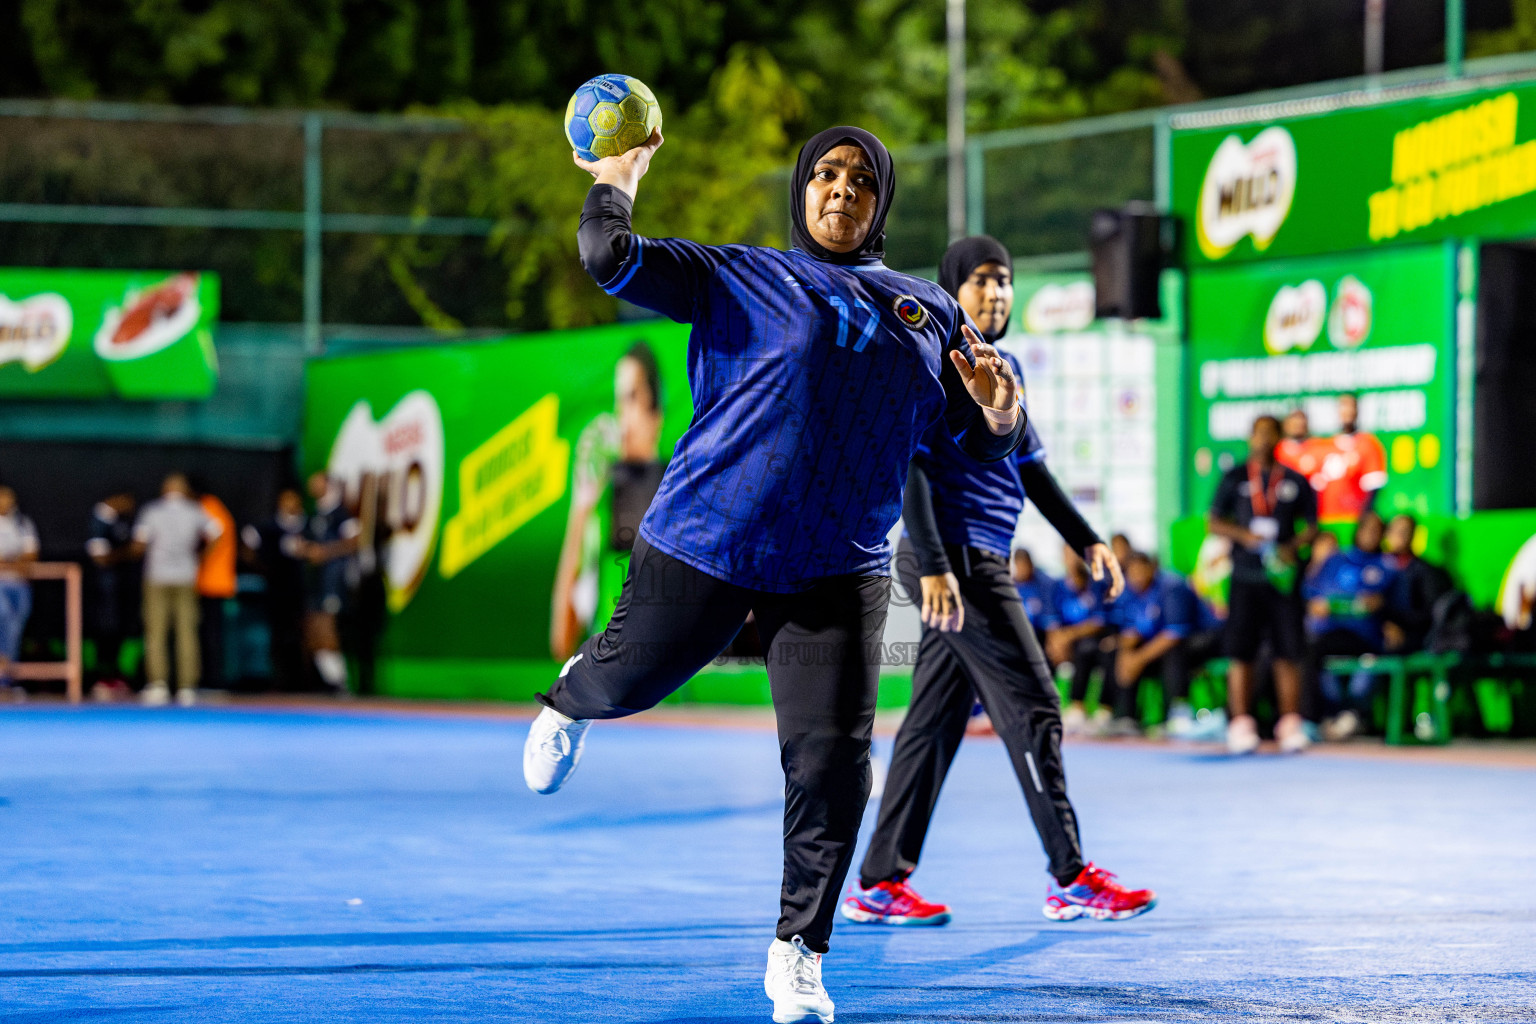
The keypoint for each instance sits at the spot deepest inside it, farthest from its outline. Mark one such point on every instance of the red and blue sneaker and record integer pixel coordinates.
(894, 903)
(1096, 894)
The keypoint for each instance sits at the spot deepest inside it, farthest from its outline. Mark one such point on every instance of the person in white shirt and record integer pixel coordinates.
(170, 533)
(18, 549)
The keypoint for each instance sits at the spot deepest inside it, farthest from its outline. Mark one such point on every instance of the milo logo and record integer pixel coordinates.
(1247, 191)
(1295, 317)
(1060, 307)
(34, 331)
(400, 459)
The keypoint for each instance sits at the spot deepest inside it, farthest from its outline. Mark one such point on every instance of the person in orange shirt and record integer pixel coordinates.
(1297, 447)
(1352, 471)
(216, 584)
(1345, 470)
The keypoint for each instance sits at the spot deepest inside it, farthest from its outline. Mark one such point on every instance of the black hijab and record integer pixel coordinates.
(885, 188)
(964, 256)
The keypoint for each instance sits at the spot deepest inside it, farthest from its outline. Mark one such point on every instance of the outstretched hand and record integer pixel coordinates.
(991, 382)
(1101, 559)
(625, 170)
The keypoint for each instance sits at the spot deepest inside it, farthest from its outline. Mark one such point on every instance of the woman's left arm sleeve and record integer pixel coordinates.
(1042, 489)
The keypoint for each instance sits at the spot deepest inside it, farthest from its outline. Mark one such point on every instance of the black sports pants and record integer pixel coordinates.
(997, 657)
(822, 652)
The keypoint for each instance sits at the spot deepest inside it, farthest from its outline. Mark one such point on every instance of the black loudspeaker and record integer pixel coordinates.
(1504, 399)
(1128, 247)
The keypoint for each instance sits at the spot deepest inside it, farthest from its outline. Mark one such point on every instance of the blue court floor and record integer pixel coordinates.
(289, 865)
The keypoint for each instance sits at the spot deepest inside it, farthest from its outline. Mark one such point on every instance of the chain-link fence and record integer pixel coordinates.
(335, 220)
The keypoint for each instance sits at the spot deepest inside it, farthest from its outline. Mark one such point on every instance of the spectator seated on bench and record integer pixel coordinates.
(1347, 598)
(1076, 628)
(1167, 633)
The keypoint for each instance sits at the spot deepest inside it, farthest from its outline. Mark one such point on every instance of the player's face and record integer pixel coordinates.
(987, 295)
(7, 501)
(840, 199)
(290, 504)
(1139, 574)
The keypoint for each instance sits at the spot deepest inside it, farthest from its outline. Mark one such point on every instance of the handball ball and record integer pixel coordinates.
(609, 115)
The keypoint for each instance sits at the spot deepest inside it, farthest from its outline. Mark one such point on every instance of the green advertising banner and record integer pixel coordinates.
(107, 334)
(1282, 335)
(500, 465)
(1458, 164)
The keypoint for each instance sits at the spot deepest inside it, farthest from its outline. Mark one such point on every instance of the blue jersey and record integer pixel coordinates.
(1073, 606)
(1039, 598)
(1342, 581)
(1168, 605)
(812, 385)
(977, 504)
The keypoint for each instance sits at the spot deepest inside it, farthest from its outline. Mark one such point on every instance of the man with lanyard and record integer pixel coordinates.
(1258, 506)
(960, 517)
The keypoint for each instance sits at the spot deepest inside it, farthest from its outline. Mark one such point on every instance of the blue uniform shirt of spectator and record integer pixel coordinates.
(1039, 598)
(1168, 605)
(1073, 606)
(1344, 578)
(977, 504)
(813, 384)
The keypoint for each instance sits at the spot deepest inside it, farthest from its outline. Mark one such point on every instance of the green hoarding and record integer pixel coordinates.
(1457, 164)
(1278, 335)
(478, 451)
(107, 333)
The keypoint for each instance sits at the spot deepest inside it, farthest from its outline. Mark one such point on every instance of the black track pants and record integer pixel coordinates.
(822, 652)
(998, 658)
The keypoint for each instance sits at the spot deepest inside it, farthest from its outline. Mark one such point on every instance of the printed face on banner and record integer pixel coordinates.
(399, 458)
(1247, 191)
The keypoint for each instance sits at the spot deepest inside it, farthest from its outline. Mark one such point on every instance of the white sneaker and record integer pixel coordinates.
(1208, 726)
(155, 695)
(1292, 734)
(1341, 727)
(186, 696)
(1098, 722)
(552, 750)
(1243, 735)
(1181, 721)
(1074, 720)
(793, 982)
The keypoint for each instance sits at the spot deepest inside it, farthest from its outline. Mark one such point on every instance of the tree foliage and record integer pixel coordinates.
(740, 82)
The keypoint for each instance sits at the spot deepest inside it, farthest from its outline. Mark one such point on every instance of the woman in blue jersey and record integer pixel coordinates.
(960, 517)
(815, 372)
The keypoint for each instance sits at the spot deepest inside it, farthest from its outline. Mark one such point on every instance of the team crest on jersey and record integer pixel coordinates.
(910, 311)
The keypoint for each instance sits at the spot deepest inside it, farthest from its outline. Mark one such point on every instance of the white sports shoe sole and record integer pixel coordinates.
(1071, 912)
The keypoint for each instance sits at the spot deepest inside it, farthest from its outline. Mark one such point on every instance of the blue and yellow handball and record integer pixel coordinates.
(609, 115)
